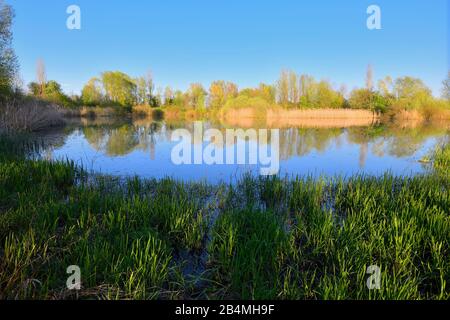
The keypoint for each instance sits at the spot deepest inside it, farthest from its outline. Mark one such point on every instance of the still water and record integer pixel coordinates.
(144, 148)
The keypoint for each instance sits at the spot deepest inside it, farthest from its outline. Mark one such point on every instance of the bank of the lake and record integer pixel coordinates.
(262, 238)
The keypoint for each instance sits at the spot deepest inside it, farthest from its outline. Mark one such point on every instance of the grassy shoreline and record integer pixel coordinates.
(263, 238)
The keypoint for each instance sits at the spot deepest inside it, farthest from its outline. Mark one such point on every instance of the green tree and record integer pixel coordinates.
(197, 95)
(325, 97)
(360, 99)
(8, 59)
(411, 93)
(220, 91)
(179, 99)
(141, 90)
(52, 88)
(119, 88)
(34, 88)
(217, 94)
(92, 92)
(54, 93)
(267, 92)
(369, 100)
(307, 87)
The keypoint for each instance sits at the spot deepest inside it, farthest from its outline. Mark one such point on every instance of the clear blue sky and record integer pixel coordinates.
(242, 41)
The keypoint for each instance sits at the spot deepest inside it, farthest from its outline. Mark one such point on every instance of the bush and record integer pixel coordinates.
(244, 101)
(369, 100)
(436, 109)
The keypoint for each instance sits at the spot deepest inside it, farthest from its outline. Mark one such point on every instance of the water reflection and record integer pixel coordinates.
(143, 147)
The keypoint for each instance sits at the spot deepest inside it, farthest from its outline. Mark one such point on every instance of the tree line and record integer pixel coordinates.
(292, 90)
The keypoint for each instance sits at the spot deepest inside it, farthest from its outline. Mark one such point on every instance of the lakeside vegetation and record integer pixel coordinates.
(262, 238)
(402, 98)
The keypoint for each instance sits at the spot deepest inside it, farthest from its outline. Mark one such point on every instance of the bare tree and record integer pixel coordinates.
(293, 88)
(343, 90)
(150, 84)
(446, 87)
(369, 78)
(41, 76)
(385, 86)
(283, 88)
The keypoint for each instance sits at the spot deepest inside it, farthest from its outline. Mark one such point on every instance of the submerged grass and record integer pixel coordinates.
(263, 238)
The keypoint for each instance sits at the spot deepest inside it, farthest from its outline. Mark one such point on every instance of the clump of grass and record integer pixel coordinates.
(441, 159)
(247, 251)
(123, 236)
(331, 231)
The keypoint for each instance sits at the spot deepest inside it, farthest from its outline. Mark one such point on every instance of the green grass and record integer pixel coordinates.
(262, 238)
(441, 159)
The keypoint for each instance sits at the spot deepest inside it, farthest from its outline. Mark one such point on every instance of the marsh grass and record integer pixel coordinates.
(261, 238)
(441, 159)
(27, 115)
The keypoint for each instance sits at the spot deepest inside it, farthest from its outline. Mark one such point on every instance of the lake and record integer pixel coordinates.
(143, 147)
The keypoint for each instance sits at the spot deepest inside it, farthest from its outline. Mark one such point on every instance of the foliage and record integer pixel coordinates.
(8, 59)
(196, 96)
(119, 88)
(411, 93)
(441, 159)
(369, 100)
(244, 101)
(325, 97)
(52, 92)
(220, 91)
(92, 93)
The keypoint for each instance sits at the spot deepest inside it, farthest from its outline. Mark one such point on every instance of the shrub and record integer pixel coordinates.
(244, 101)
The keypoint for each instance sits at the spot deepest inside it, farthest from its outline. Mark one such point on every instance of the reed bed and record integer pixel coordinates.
(262, 238)
(92, 112)
(321, 114)
(28, 116)
(307, 118)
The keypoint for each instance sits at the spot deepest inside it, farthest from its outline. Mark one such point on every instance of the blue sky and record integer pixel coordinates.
(246, 42)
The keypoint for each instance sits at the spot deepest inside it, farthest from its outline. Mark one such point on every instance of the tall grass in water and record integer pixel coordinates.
(332, 231)
(441, 159)
(122, 236)
(273, 238)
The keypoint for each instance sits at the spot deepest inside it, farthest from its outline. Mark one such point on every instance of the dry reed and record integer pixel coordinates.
(28, 116)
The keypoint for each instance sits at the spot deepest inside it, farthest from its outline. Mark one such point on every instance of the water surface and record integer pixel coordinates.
(143, 148)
